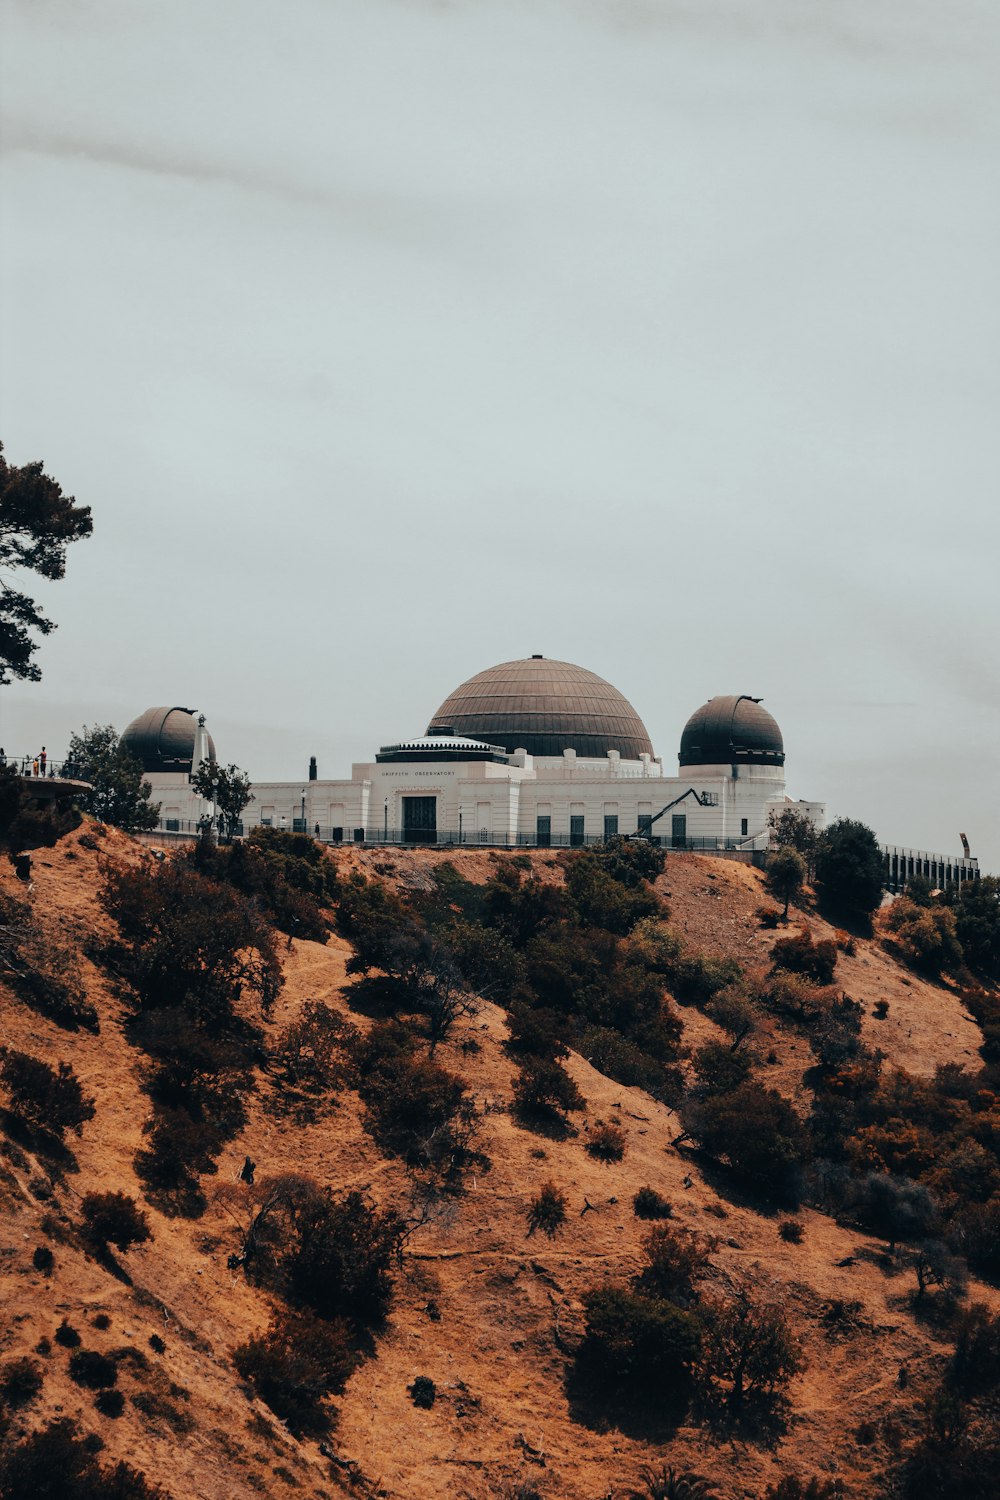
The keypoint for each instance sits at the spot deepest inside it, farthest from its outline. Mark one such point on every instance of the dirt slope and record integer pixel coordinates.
(487, 1312)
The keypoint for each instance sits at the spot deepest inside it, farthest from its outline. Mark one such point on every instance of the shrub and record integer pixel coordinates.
(543, 1088)
(791, 1487)
(20, 1382)
(156, 1343)
(719, 1068)
(42, 968)
(620, 1058)
(975, 1365)
(927, 935)
(674, 1259)
(110, 1403)
(48, 1101)
(603, 901)
(800, 954)
(791, 1231)
(188, 942)
(606, 1142)
(56, 1464)
(423, 1392)
(757, 1131)
(697, 978)
(636, 1341)
(332, 1255)
(67, 1336)
(535, 1031)
(649, 1204)
(734, 1013)
(547, 1211)
(295, 1365)
(668, 1483)
(895, 1207)
(309, 1053)
(89, 1368)
(114, 1218)
(418, 1110)
(43, 1259)
(749, 1348)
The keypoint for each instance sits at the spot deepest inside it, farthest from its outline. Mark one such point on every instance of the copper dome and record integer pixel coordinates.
(163, 739)
(544, 707)
(732, 731)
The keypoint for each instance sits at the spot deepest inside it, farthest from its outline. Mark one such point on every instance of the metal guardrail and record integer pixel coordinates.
(459, 838)
(45, 767)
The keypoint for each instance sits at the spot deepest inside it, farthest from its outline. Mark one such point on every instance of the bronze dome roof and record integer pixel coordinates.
(544, 707)
(163, 739)
(732, 731)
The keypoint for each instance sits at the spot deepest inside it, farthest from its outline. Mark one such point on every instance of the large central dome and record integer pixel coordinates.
(544, 707)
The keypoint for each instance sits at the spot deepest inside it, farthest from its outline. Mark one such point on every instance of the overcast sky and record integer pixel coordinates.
(389, 339)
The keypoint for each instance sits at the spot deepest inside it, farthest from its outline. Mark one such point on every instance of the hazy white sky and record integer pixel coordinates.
(389, 339)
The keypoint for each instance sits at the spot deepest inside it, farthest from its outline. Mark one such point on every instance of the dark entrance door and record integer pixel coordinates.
(678, 830)
(420, 820)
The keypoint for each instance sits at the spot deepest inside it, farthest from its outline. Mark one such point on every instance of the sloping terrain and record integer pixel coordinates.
(487, 1312)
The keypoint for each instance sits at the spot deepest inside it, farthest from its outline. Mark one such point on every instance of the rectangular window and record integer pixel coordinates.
(678, 830)
(298, 825)
(576, 828)
(645, 824)
(543, 831)
(744, 827)
(610, 825)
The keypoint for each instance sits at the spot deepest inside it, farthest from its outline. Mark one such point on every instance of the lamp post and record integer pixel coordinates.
(302, 812)
(385, 823)
(459, 825)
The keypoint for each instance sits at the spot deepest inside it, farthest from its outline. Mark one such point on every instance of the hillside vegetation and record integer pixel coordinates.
(427, 1173)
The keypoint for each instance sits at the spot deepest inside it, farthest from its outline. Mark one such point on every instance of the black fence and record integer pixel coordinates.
(482, 838)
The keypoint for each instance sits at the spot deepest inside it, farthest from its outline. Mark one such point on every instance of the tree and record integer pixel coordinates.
(295, 1365)
(977, 923)
(47, 1100)
(756, 1130)
(229, 788)
(37, 524)
(644, 1343)
(850, 874)
(749, 1346)
(791, 829)
(114, 1218)
(786, 874)
(120, 796)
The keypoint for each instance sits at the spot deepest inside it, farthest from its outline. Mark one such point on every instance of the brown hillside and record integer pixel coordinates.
(487, 1312)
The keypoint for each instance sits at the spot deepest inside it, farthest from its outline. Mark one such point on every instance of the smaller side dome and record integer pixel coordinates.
(732, 731)
(163, 739)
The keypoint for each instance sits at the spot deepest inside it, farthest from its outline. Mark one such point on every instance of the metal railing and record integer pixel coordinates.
(481, 838)
(43, 766)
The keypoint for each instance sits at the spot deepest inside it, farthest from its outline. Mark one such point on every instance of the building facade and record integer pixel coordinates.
(529, 752)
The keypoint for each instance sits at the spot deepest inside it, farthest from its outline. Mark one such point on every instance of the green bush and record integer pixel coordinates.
(20, 1382)
(756, 1131)
(642, 1343)
(927, 936)
(545, 1090)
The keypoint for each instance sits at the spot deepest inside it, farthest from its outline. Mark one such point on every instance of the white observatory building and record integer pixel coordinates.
(527, 753)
